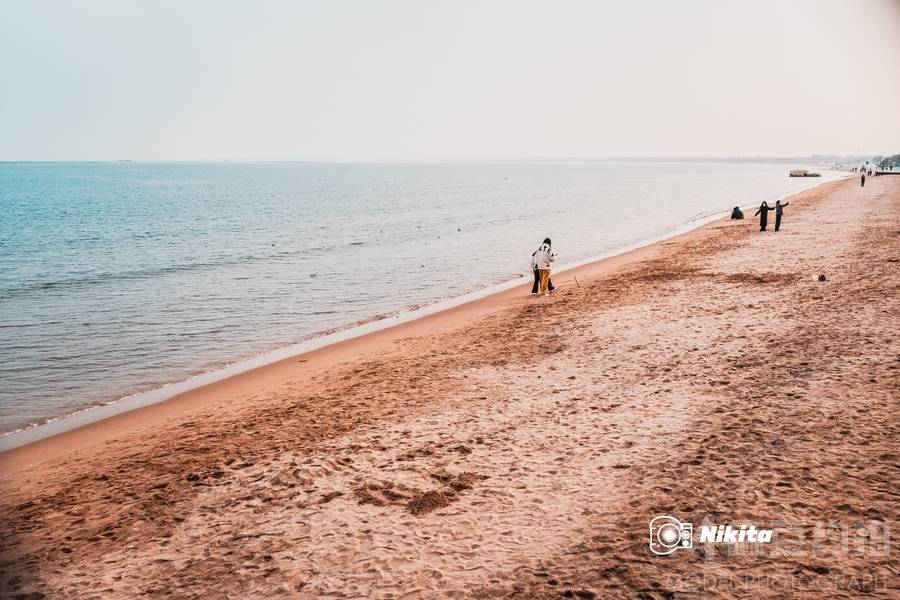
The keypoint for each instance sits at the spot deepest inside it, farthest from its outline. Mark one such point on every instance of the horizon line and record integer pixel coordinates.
(630, 158)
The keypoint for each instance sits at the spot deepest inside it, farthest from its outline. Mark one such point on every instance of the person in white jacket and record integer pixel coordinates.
(537, 275)
(541, 260)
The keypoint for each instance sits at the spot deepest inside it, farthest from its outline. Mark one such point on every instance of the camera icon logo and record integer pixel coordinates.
(668, 534)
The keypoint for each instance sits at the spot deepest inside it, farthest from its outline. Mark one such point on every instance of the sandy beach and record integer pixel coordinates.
(517, 447)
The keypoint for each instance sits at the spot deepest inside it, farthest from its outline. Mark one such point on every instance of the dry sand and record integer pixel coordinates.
(517, 447)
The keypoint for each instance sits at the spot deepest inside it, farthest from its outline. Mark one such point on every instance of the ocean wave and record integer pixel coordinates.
(136, 274)
(13, 291)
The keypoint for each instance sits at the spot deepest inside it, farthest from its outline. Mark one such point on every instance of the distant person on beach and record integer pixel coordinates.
(763, 213)
(541, 260)
(537, 275)
(862, 180)
(779, 211)
(737, 213)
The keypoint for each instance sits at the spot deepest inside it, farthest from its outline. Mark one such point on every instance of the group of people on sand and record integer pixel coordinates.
(545, 255)
(541, 260)
(763, 213)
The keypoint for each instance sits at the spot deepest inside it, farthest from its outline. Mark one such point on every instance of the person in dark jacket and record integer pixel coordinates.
(779, 211)
(763, 213)
(862, 180)
(737, 213)
(537, 274)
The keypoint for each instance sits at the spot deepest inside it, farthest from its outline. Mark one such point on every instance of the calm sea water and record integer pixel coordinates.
(117, 278)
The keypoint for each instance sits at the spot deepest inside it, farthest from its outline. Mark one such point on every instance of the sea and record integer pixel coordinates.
(118, 278)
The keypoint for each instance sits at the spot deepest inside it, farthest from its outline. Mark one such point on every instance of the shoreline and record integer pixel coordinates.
(272, 375)
(93, 415)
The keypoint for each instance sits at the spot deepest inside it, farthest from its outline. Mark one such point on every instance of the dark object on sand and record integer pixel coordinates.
(737, 213)
(822, 278)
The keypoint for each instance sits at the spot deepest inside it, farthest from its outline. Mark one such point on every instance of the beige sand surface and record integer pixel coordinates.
(518, 447)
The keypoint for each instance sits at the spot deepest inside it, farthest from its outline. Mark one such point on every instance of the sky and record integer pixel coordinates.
(455, 80)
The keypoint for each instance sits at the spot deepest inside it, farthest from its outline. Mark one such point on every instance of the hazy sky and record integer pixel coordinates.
(426, 80)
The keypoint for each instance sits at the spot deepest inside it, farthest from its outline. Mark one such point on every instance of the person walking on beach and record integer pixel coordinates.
(763, 213)
(537, 274)
(862, 180)
(541, 259)
(779, 211)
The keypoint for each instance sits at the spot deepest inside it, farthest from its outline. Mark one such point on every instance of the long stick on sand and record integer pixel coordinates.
(576, 280)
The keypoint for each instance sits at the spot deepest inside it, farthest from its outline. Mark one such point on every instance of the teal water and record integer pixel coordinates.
(117, 278)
